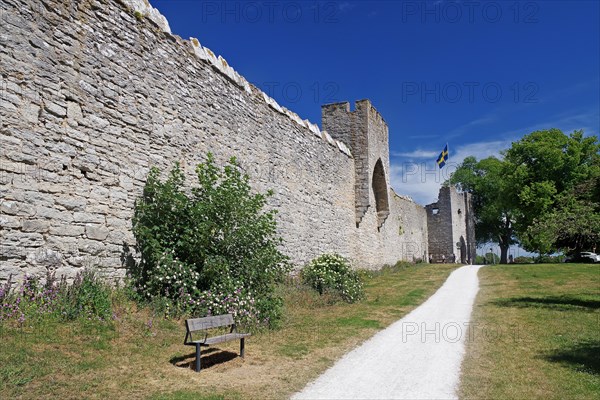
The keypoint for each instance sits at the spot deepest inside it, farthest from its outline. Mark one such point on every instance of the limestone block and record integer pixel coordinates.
(53, 214)
(55, 109)
(44, 257)
(9, 221)
(117, 237)
(91, 247)
(31, 113)
(296, 118)
(272, 103)
(67, 271)
(95, 122)
(71, 203)
(88, 87)
(74, 112)
(26, 239)
(86, 217)
(343, 148)
(212, 58)
(67, 230)
(328, 138)
(15, 208)
(198, 49)
(10, 250)
(314, 128)
(35, 225)
(96, 232)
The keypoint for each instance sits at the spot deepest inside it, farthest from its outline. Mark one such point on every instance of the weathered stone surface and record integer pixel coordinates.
(45, 257)
(35, 225)
(108, 96)
(72, 203)
(9, 221)
(96, 232)
(55, 109)
(86, 217)
(67, 230)
(74, 111)
(452, 218)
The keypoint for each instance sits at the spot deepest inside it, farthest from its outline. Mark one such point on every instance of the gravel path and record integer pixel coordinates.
(417, 357)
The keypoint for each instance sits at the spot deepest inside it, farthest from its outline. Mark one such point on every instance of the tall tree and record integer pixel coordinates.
(492, 202)
(539, 194)
(555, 177)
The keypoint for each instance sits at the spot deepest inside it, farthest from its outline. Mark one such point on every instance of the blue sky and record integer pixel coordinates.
(474, 74)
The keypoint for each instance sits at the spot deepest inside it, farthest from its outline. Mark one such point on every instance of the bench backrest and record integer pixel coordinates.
(200, 324)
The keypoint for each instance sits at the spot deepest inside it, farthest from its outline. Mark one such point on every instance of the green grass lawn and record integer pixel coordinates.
(537, 334)
(141, 356)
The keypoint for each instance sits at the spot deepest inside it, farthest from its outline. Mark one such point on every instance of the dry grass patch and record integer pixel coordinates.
(141, 356)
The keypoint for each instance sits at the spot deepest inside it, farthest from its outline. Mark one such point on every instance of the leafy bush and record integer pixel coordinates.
(208, 240)
(332, 274)
(87, 297)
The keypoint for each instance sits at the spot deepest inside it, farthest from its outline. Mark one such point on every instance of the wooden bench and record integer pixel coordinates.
(200, 327)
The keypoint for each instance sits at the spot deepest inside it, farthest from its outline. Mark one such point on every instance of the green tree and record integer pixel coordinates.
(213, 237)
(546, 166)
(492, 202)
(538, 194)
(572, 227)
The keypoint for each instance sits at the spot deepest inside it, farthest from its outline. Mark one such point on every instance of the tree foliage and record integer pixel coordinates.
(544, 193)
(212, 240)
(492, 203)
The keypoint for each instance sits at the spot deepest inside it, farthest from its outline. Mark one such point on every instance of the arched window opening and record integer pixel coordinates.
(463, 250)
(380, 190)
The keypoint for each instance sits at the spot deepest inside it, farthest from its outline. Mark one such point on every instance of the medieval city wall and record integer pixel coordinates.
(451, 226)
(93, 94)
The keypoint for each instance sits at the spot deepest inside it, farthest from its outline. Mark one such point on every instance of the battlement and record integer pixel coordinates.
(366, 133)
(219, 64)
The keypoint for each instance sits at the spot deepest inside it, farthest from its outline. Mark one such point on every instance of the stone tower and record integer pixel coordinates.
(451, 226)
(365, 132)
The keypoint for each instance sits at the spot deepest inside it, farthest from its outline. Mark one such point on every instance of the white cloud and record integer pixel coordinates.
(346, 6)
(422, 180)
(414, 173)
(416, 154)
(419, 180)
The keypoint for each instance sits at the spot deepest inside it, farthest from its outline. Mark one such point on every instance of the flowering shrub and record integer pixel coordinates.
(216, 233)
(87, 297)
(331, 273)
(231, 300)
(171, 279)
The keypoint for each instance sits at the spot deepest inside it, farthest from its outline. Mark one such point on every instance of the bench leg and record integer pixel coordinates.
(242, 341)
(198, 351)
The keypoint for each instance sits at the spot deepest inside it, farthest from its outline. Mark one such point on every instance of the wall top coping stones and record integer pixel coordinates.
(402, 196)
(144, 8)
(220, 65)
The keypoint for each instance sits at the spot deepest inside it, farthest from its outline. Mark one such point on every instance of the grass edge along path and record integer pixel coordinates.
(535, 333)
(142, 356)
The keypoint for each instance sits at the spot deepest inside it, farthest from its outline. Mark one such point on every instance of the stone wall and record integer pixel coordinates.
(94, 93)
(451, 227)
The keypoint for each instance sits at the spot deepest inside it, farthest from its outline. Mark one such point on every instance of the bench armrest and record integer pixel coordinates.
(188, 334)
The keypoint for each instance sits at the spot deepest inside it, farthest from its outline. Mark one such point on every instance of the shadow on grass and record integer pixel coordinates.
(561, 303)
(583, 357)
(210, 358)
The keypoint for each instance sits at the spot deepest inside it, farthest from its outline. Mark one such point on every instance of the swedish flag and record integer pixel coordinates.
(441, 160)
